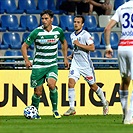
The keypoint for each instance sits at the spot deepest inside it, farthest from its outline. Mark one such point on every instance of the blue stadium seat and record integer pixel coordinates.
(3, 46)
(91, 24)
(1, 9)
(42, 5)
(28, 6)
(59, 45)
(24, 36)
(12, 39)
(96, 54)
(59, 53)
(58, 3)
(52, 6)
(9, 6)
(60, 61)
(2, 28)
(118, 3)
(115, 54)
(30, 53)
(10, 22)
(68, 39)
(29, 22)
(114, 40)
(55, 21)
(12, 53)
(96, 39)
(69, 52)
(66, 22)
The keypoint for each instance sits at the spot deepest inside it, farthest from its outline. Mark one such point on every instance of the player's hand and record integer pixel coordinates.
(108, 53)
(76, 42)
(66, 63)
(70, 57)
(28, 64)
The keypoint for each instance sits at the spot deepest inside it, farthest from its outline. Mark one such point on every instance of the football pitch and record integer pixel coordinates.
(67, 124)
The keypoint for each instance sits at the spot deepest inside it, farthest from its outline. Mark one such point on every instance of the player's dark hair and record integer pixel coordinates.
(80, 16)
(49, 12)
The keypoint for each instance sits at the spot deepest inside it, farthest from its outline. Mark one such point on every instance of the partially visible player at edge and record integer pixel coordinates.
(44, 66)
(124, 15)
(82, 65)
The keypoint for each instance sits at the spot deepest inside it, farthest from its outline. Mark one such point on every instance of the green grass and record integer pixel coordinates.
(67, 124)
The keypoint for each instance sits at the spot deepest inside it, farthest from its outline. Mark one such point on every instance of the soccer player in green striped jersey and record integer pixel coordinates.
(44, 66)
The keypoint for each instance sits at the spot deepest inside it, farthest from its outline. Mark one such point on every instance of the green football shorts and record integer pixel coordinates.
(38, 76)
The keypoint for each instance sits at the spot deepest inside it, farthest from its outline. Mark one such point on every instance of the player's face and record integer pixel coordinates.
(78, 24)
(46, 20)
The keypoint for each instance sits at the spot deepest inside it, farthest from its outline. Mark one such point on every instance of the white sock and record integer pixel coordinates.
(100, 94)
(71, 97)
(124, 100)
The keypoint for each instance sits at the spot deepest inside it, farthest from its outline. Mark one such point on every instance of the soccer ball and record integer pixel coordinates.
(30, 112)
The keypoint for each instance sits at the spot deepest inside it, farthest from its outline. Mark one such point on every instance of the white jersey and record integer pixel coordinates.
(81, 57)
(124, 15)
(81, 63)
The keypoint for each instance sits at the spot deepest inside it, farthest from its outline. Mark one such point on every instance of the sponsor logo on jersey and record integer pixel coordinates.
(46, 41)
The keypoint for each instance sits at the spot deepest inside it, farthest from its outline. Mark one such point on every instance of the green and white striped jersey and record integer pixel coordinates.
(45, 46)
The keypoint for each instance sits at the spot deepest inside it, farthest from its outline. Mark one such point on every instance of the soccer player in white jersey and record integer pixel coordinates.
(82, 65)
(124, 15)
(44, 66)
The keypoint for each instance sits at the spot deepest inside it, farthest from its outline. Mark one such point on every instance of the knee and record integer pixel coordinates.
(51, 86)
(38, 92)
(94, 87)
(70, 85)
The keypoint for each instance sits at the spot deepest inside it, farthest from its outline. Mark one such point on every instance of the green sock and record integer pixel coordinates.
(35, 101)
(54, 98)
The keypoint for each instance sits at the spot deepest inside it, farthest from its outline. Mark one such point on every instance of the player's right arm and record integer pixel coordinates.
(25, 56)
(107, 31)
(29, 40)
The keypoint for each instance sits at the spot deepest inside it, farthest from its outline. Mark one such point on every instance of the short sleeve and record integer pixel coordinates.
(88, 38)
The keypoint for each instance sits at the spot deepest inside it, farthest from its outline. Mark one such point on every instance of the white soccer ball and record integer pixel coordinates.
(30, 112)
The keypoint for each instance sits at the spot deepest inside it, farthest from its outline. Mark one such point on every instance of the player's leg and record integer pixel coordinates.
(51, 78)
(89, 76)
(123, 93)
(125, 79)
(100, 94)
(73, 78)
(129, 115)
(36, 98)
(37, 80)
(71, 97)
(53, 97)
